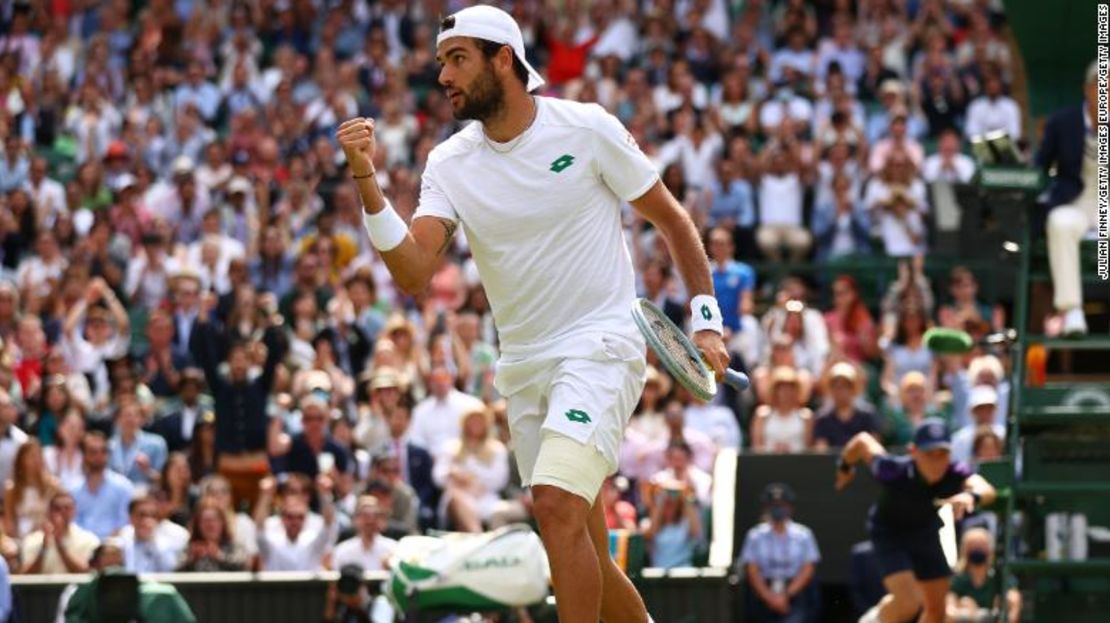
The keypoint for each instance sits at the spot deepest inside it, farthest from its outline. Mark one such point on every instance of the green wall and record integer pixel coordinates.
(1057, 40)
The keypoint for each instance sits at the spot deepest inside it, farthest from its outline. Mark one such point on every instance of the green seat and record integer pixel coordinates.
(1000, 473)
(139, 317)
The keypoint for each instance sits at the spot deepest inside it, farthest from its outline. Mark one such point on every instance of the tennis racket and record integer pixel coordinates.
(679, 355)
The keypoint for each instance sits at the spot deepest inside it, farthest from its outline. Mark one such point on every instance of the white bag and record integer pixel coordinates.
(503, 568)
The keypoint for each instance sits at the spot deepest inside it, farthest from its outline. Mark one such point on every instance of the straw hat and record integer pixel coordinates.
(783, 374)
(476, 409)
(397, 322)
(843, 370)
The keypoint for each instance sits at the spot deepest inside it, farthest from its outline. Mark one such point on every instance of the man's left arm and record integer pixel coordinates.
(663, 210)
(625, 169)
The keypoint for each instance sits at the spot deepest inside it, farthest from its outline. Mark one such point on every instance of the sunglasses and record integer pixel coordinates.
(292, 516)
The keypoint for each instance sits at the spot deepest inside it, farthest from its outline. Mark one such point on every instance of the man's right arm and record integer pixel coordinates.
(412, 258)
(1046, 154)
(413, 262)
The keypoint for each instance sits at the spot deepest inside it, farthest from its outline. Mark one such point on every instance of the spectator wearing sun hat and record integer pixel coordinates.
(384, 388)
(844, 417)
(892, 96)
(983, 404)
(914, 407)
(784, 424)
(180, 201)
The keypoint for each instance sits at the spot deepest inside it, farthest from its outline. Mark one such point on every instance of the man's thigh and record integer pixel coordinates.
(587, 401)
(527, 410)
(1069, 221)
(591, 400)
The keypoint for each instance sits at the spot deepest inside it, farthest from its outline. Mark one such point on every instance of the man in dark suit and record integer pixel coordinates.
(1070, 145)
(177, 426)
(186, 291)
(415, 463)
(242, 423)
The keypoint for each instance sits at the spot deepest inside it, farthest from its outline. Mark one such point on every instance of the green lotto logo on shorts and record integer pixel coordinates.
(562, 162)
(576, 415)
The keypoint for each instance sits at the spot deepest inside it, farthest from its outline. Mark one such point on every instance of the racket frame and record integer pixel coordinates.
(677, 370)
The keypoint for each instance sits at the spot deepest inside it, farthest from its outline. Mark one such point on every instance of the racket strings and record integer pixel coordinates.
(676, 349)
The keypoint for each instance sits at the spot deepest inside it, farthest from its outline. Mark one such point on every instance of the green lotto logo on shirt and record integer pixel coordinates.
(562, 162)
(576, 415)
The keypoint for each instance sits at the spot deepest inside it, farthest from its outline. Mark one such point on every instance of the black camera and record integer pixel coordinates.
(350, 579)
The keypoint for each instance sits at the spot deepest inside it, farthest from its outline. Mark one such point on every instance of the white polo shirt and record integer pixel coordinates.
(373, 558)
(303, 554)
(542, 215)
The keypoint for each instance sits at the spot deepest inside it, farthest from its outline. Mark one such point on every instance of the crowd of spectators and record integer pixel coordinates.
(204, 357)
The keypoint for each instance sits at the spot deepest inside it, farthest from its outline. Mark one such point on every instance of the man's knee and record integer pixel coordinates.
(557, 510)
(905, 603)
(1065, 220)
(934, 614)
(903, 606)
(935, 604)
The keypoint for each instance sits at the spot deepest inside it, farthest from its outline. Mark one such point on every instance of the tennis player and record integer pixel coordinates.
(904, 525)
(536, 184)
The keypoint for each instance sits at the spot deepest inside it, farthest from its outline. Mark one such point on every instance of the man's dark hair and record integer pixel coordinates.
(378, 486)
(139, 501)
(238, 344)
(490, 49)
(93, 434)
(58, 496)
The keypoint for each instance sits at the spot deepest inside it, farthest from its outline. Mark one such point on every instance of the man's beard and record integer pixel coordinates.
(485, 98)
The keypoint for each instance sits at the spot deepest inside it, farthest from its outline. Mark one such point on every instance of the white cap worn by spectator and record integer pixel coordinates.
(982, 395)
(124, 182)
(491, 24)
(182, 165)
(843, 370)
(238, 184)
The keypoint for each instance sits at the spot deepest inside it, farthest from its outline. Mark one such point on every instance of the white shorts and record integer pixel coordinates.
(587, 400)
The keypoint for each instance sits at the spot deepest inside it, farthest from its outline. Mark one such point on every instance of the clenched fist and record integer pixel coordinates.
(356, 137)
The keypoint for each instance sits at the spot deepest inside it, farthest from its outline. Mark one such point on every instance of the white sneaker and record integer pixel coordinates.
(1075, 324)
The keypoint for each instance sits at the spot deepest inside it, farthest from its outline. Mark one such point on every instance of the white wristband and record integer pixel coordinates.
(386, 228)
(705, 314)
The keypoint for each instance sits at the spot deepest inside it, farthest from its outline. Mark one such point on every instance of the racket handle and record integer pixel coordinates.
(738, 380)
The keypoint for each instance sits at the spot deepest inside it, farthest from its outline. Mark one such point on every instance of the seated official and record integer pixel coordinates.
(779, 559)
